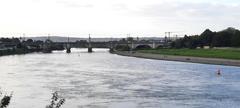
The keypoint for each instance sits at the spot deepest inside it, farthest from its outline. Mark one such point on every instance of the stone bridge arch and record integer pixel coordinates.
(147, 45)
(142, 46)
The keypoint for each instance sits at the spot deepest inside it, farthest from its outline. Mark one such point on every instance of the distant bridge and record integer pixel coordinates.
(111, 44)
(84, 44)
(137, 45)
(133, 45)
(146, 44)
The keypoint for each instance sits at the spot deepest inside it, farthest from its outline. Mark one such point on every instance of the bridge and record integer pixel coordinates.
(110, 44)
(140, 44)
(146, 45)
(81, 44)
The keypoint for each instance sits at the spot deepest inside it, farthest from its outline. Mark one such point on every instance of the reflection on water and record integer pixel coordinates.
(103, 80)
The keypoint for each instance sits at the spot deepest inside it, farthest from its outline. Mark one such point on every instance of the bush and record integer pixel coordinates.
(5, 100)
(122, 48)
(56, 101)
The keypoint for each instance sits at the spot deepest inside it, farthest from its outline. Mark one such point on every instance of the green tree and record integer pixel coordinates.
(235, 40)
(206, 38)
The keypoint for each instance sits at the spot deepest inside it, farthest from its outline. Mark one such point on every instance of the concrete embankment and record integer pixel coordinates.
(216, 61)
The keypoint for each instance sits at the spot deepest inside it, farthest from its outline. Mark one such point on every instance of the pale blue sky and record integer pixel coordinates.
(109, 18)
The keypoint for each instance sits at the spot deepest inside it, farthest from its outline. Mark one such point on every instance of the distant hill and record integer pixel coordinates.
(71, 39)
(74, 39)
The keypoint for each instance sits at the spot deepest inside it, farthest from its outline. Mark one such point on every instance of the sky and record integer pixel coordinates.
(116, 18)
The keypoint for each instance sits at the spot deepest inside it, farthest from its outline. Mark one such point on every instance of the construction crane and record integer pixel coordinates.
(168, 35)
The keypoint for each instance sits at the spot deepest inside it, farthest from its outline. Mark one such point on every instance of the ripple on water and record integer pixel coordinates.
(103, 80)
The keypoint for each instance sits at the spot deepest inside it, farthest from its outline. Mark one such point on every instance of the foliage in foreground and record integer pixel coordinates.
(56, 101)
(5, 100)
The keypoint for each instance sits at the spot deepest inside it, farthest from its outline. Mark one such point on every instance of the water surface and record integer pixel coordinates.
(103, 80)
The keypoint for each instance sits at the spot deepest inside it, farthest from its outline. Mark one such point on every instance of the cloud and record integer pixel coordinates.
(189, 10)
(192, 17)
(74, 4)
(120, 6)
(111, 16)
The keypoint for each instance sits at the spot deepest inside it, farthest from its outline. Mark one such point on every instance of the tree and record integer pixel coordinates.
(206, 38)
(29, 41)
(235, 41)
(229, 37)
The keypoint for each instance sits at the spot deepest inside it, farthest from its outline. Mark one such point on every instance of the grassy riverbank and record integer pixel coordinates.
(207, 53)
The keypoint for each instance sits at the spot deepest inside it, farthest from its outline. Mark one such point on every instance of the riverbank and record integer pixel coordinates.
(25, 51)
(202, 60)
(229, 53)
(15, 52)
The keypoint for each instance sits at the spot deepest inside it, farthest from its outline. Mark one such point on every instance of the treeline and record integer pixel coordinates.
(10, 46)
(229, 37)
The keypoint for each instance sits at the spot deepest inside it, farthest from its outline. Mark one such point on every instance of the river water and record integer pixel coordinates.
(103, 80)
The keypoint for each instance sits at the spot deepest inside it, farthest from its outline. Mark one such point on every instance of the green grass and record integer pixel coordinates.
(208, 53)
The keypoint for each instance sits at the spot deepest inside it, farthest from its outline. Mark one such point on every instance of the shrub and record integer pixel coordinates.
(5, 100)
(56, 101)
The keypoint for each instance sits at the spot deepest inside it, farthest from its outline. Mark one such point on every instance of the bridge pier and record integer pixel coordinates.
(90, 50)
(132, 46)
(68, 47)
(153, 45)
(89, 45)
(111, 49)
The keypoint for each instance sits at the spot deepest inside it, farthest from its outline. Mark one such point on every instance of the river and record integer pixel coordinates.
(104, 80)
